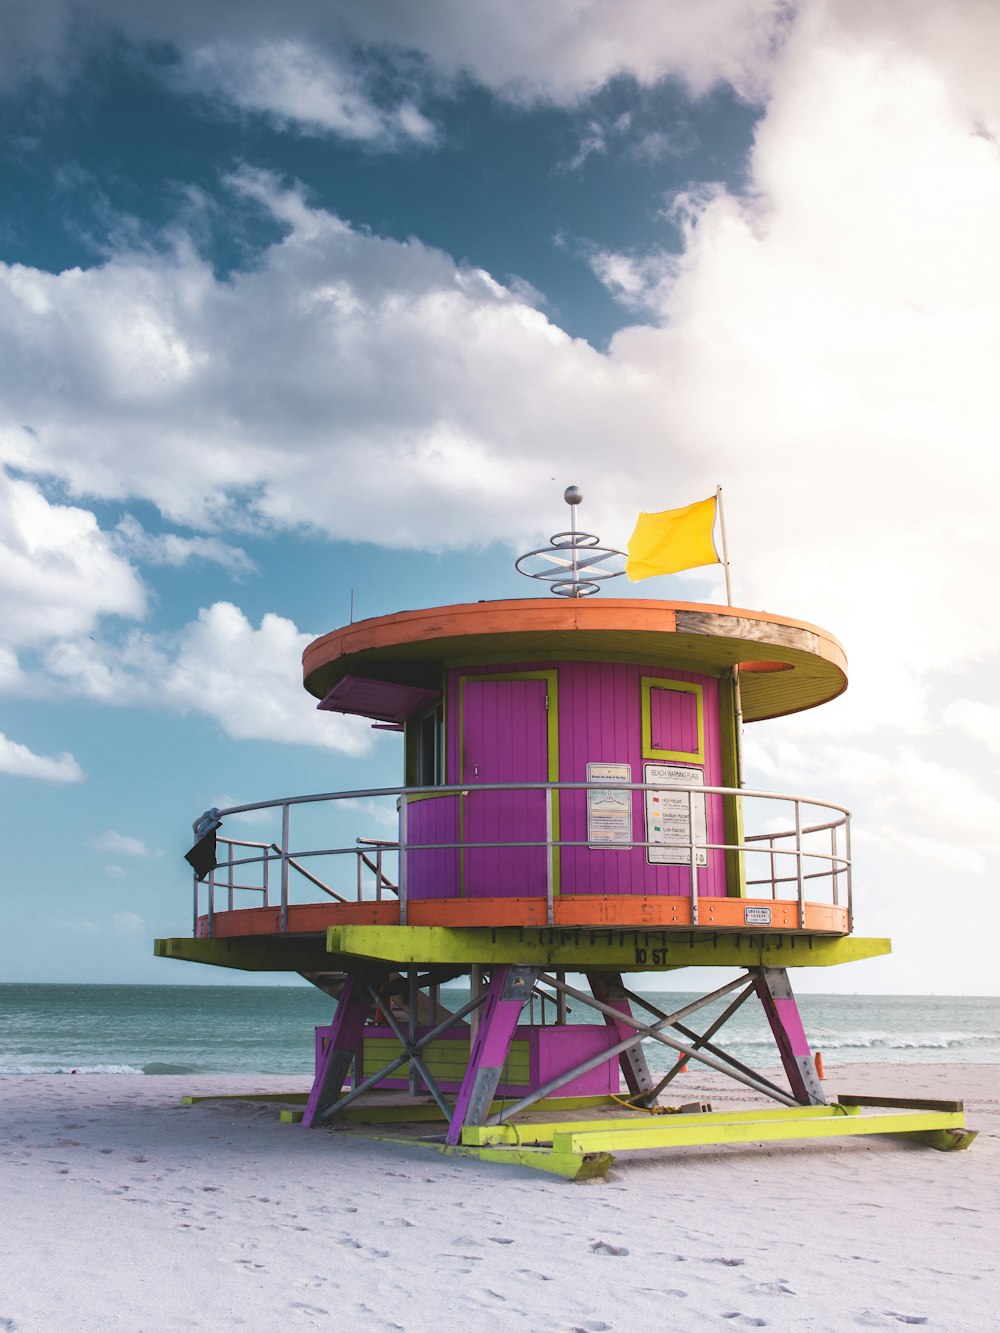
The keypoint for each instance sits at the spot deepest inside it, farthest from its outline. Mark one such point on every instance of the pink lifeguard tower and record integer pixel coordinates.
(572, 802)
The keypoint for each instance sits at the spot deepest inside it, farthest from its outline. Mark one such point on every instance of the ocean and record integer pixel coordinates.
(98, 1029)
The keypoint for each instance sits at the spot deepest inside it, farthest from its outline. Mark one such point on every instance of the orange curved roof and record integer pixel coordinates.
(790, 664)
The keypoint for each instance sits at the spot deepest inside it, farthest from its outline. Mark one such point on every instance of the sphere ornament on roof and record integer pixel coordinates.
(574, 563)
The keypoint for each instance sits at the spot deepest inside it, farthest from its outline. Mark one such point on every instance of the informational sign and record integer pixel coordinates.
(668, 816)
(609, 811)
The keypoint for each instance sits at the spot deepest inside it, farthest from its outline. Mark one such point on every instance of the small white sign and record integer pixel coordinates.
(609, 812)
(757, 916)
(668, 816)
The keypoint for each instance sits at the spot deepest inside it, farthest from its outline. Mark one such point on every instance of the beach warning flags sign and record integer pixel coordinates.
(673, 540)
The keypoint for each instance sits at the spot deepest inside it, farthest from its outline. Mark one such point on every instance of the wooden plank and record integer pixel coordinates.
(900, 1103)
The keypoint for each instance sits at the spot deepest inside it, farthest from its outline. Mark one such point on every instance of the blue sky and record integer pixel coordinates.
(308, 298)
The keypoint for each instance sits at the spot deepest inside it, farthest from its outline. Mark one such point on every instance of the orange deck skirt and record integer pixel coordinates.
(584, 910)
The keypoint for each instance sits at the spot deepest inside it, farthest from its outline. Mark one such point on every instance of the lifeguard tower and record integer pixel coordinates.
(572, 803)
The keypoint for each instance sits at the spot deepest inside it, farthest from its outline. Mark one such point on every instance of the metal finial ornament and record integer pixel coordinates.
(561, 562)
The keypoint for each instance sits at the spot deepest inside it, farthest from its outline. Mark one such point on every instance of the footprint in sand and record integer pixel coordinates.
(750, 1321)
(603, 1247)
(880, 1318)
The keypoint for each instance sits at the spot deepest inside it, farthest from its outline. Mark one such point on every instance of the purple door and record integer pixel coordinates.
(504, 739)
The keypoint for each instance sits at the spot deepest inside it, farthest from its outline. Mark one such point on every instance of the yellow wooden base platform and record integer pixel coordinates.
(582, 1149)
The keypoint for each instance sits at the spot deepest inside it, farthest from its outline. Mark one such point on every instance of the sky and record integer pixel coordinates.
(313, 300)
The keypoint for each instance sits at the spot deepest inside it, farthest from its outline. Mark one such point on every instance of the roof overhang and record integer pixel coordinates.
(790, 665)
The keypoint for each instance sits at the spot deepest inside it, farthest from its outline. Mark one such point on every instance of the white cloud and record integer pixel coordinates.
(979, 720)
(129, 923)
(21, 762)
(306, 62)
(824, 346)
(926, 811)
(170, 548)
(382, 814)
(246, 679)
(58, 571)
(121, 844)
(288, 394)
(297, 84)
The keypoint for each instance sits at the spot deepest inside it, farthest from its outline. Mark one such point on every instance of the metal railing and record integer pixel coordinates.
(813, 855)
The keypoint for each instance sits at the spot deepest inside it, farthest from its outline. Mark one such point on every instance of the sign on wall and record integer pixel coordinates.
(609, 811)
(669, 813)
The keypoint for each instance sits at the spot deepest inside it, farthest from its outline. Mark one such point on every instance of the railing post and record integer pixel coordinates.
(194, 925)
(774, 870)
(694, 859)
(229, 867)
(378, 874)
(285, 819)
(402, 859)
(211, 904)
(359, 855)
(267, 877)
(833, 865)
(850, 886)
(550, 911)
(798, 865)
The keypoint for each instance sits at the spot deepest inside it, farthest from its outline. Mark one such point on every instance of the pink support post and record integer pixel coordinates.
(353, 1010)
(775, 993)
(509, 991)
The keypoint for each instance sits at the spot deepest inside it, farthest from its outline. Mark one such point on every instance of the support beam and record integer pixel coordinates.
(609, 988)
(510, 989)
(353, 1010)
(257, 953)
(775, 994)
(583, 949)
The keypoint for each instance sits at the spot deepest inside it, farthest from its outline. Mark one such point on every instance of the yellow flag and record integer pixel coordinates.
(673, 540)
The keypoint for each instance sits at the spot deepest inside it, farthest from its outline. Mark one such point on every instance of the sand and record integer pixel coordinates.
(122, 1209)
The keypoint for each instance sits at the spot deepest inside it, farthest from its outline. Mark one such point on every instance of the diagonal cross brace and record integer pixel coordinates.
(411, 1050)
(643, 1030)
(394, 1064)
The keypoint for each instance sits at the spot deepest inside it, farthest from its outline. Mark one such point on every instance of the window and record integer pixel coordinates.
(429, 729)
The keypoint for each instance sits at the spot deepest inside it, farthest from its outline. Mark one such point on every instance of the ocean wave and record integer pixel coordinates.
(869, 1041)
(903, 1041)
(157, 1068)
(69, 1069)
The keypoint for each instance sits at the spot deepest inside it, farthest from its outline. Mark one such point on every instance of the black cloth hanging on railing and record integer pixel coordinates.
(202, 858)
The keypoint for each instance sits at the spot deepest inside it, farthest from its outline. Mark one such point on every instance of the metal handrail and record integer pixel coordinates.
(836, 863)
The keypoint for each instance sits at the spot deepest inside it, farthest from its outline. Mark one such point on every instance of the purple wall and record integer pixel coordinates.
(600, 721)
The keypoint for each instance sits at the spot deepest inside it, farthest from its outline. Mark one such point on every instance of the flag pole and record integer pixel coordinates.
(737, 701)
(725, 545)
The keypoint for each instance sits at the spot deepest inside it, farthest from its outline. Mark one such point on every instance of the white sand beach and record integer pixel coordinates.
(125, 1209)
